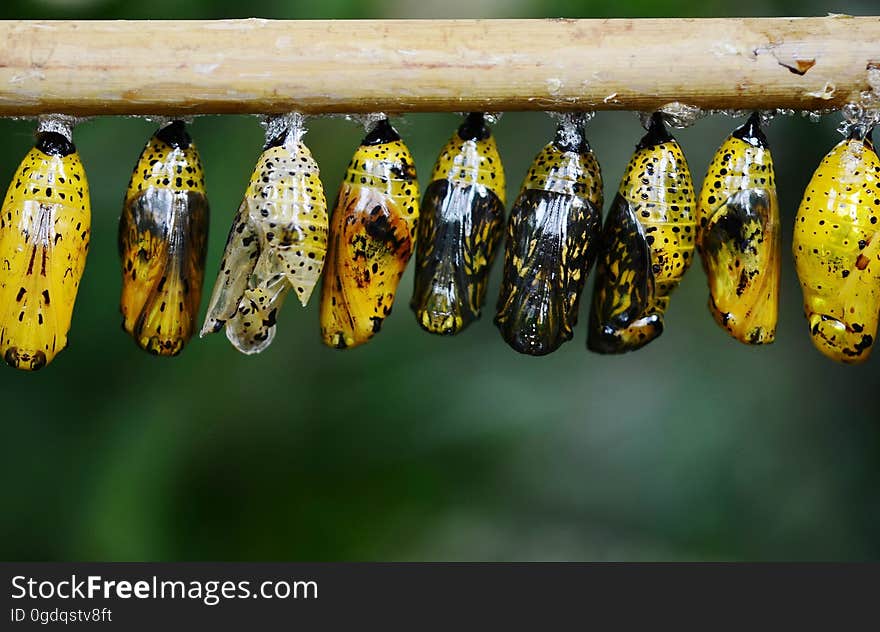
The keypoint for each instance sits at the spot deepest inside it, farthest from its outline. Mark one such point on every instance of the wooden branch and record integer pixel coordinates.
(263, 66)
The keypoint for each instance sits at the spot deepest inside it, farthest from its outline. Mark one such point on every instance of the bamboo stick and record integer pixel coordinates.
(264, 66)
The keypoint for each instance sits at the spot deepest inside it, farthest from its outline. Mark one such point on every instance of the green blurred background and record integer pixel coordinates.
(420, 447)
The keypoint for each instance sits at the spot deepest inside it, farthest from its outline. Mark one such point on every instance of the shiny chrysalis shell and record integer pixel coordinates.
(278, 242)
(552, 235)
(44, 239)
(372, 236)
(163, 239)
(738, 235)
(647, 245)
(460, 226)
(837, 251)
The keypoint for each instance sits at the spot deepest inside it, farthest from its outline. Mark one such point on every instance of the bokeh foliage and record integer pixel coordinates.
(418, 447)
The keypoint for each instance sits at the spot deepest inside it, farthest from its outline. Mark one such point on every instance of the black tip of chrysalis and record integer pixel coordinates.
(54, 144)
(571, 138)
(657, 133)
(175, 135)
(474, 127)
(278, 140)
(857, 132)
(381, 133)
(751, 132)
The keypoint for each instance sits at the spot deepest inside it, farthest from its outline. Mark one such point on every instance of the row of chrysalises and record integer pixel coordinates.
(283, 239)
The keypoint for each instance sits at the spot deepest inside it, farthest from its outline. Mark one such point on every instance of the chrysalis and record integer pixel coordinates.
(837, 250)
(44, 239)
(647, 245)
(277, 243)
(460, 225)
(738, 235)
(372, 238)
(551, 244)
(163, 238)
